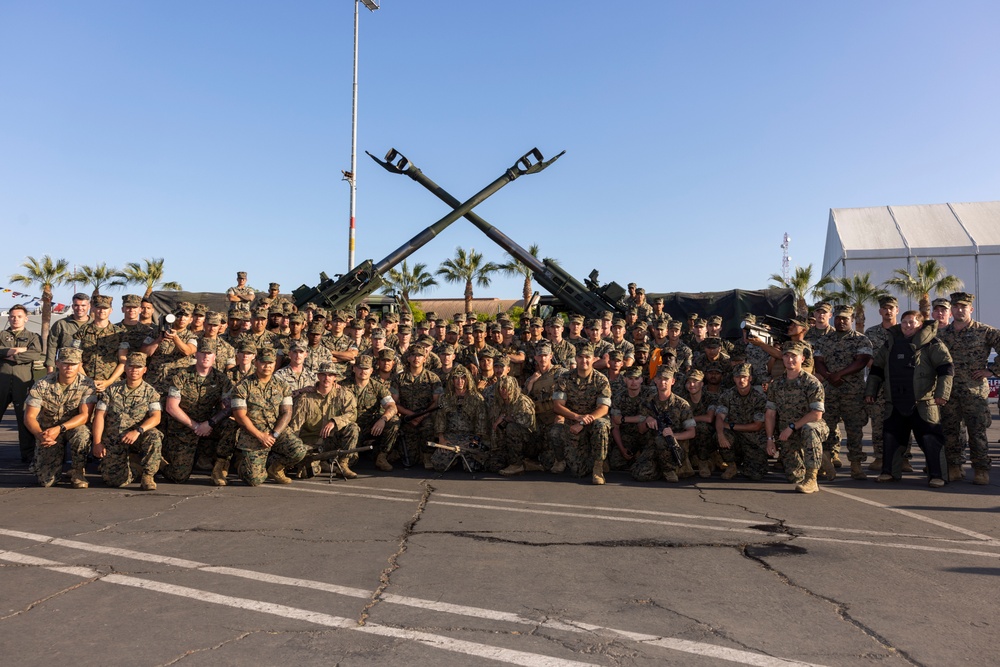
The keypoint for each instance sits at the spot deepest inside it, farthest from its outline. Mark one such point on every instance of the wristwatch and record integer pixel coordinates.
(62, 428)
(140, 430)
(791, 425)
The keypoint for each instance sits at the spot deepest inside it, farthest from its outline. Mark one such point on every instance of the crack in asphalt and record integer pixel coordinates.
(385, 576)
(172, 507)
(486, 536)
(189, 653)
(34, 604)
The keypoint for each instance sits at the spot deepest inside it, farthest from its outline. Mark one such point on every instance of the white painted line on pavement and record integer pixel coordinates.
(914, 515)
(698, 648)
(891, 545)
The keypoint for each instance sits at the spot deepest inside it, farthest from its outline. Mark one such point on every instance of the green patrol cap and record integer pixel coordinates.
(632, 372)
(364, 362)
(131, 301)
(101, 301)
(136, 360)
(695, 374)
(207, 345)
(70, 355)
(266, 354)
(794, 346)
(742, 370)
(844, 311)
(944, 303)
(962, 298)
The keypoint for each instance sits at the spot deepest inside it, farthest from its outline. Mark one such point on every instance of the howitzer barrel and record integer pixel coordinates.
(558, 282)
(529, 163)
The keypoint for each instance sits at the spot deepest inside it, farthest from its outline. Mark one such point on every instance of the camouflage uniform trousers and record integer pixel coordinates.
(182, 447)
(550, 445)
(654, 460)
(287, 450)
(704, 444)
(632, 440)
(415, 440)
(803, 450)
(969, 407)
(747, 452)
(382, 443)
(115, 468)
(515, 442)
(49, 460)
(847, 404)
(584, 449)
(478, 454)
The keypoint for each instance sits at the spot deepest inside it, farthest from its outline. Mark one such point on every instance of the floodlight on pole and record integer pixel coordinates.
(352, 175)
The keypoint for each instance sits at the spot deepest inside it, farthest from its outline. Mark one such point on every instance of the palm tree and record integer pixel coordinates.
(801, 284)
(46, 273)
(151, 276)
(467, 267)
(405, 281)
(98, 275)
(929, 278)
(856, 291)
(515, 268)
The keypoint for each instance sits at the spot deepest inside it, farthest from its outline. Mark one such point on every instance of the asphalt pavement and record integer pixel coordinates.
(414, 568)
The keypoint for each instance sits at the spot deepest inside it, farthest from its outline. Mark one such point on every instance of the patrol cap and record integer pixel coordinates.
(794, 346)
(616, 355)
(632, 310)
(136, 360)
(888, 300)
(378, 333)
(241, 274)
(439, 323)
(618, 322)
(451, 328)
(844, 311)
(372, 317)
(712, 341)
(387, 354)
(701, 322)
(287, 308)
(692, 316)
(467, 328)
(675, 324)
(536, 322)
(330, 368)
(362, 306)
(274, 286)
(800, 321)
(715, 319)
(317, 328)
(298, 345)
(632, 372)
(944, 303)
(664, 371)
(576, 317)
(661, 324)
(416, 351)
(486, 353)
(479, 327)
(750, 318)
(642, 347)
(430, 316)
(199, 309)
(543, 347)
(458, 318)
(339, 315)
(246, 347)
(213, 318)
(186, 306)
(260, 313)
(207, 345)
(131, 301)
(658, 301)
(241, 315)
(585, 350)
(963, 298)
(404, 329)
(501, 360)
(447, 349)
(426, 341)
(494, 328)
(296, 318)
(742, 370)
(695, 374)
(266, 354)
(591, 324)
(101, 301)
(364, 362)
(822, 307)
(607, 316)
(275, 309)
(713, 367)
(641, 290)
(391, 317)
(70, 355)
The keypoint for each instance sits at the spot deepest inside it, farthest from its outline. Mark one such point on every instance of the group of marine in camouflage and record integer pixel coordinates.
(278, 392)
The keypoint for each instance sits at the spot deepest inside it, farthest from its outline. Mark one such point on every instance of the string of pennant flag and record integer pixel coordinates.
(30, 300)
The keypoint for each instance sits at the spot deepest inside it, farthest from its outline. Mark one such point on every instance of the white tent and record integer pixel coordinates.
(964, 238)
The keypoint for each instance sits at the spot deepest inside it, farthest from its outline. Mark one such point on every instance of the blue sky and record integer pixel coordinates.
(214, 133)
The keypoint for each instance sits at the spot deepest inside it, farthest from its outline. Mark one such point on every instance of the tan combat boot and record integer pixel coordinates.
(982, 477)
(77, 478)
(876, 464)
(147, 483)
(835, 457)
(513, 469)
(531, 465)
(219, 472)
(857, 472)
(558, 467)
(671, 477)
(827, 467)
(345, 470)
(705, 468)
(276, 471)
(598, 474)
(808, 485)
(955, 473)
(729, 472)
(427, 462)
(907, 466)
(382, 463)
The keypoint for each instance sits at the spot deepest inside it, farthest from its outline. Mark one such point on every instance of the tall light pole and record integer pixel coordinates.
(352, 176)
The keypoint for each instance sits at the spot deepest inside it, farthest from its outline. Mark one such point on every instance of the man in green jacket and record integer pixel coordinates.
(917, 370)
